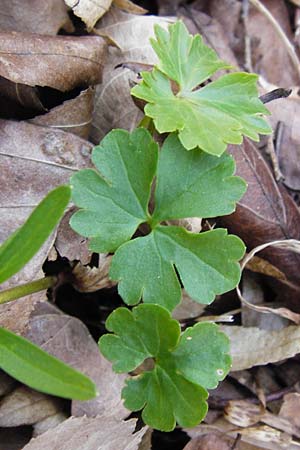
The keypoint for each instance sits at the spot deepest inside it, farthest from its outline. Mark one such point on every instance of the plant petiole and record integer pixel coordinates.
(25, 289)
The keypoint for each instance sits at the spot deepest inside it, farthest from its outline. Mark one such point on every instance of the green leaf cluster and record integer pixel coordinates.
(208, 117)
(19, 357)
(184, 365)
(114, 201)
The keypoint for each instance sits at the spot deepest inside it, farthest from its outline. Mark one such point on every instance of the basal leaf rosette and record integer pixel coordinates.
(208, 117)
(113, 202)
(185, 365)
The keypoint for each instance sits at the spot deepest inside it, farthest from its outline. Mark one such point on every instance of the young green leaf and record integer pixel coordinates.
(209, 117)
(114, 200)
(184, 365)
(22, 245)
(32, 366)
(189, 184)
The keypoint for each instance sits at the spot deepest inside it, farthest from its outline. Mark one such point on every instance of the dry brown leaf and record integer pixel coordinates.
(286, 116)
(68, 339)
(114, 107)
(251, 346)
(60, 62)
(34, 16)
(211, 441)
(20, 97)
(33, 161)
(24, 406)
(86, 433)
(89, 11)
(73, 116)
(188, 308)
(260, 265)
(265, 213)
(91, 279)
(15, 315)
(129, 7)
(269, 51)
(70, 244)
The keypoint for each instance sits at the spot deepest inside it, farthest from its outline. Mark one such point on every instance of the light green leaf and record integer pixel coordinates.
(210, 117)
(115, 199)
(194, 184)
(32, 366)
(172, 391)
(206, 263)
(22, 245)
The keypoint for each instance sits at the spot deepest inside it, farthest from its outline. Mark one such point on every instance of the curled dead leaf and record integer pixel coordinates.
(89, 11)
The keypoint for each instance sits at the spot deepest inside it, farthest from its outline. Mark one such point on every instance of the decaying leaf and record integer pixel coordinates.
(25, 406)
(251, 346)
(290, 408)
(91, 279)
(265, 213)
(47, 158)
(34, 16)
(89, 11)
(211, 441)
(60, 62)
(73, 116)
(48, 423)
(68, 339)
(85, 433)
(114, 107)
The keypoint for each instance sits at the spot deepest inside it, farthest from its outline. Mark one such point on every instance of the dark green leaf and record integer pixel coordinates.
(184, 365)
(32, 366)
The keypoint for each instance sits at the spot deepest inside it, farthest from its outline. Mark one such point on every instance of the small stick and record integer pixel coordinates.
(275, 94)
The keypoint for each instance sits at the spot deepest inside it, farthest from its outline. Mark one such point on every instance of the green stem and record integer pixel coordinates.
(25, 289)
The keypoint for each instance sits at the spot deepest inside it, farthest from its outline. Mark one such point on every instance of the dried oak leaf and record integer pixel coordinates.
(265, 213)
(85, 433)
(59, 62)
(34, 16)
(73, 116)
(68, 339)
(89, 11)
(34, 160)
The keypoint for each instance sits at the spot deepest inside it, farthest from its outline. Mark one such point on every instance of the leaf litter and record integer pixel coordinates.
(42, 153)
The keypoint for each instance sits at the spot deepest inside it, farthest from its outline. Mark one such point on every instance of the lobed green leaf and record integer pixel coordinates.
(209, 117)
(22, 245)
(37, 369)
(174, 391)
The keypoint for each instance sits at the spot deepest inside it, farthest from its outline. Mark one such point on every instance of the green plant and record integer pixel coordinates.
(19, 357)
(193, 178)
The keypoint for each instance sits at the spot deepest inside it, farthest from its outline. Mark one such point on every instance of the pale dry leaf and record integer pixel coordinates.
(114, 107)
(211, 441)
(85, 433)
(192, 224)
(288, 244)
(73, 116)
(7, 383)
(188, 309)
(91, 279)
(60, 62)
(68, 339)
(48, 423)
(290, 408)
(251, 346)
(253, 293)
(24, 406)
(70, 244)
(89, 11)
(34, 16)
(47, 157)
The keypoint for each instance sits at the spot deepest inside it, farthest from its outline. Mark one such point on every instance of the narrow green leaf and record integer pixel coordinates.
(37, 369)
(208, 117)
(183, 365)
(22, 245)
(115, 199)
